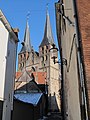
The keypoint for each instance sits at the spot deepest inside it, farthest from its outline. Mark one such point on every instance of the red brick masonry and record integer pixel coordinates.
(83, 7)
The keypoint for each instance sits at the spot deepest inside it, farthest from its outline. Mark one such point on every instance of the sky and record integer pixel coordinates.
(16, 13)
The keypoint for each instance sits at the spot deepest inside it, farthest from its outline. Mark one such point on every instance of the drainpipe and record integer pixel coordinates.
(62, 86)
(80, 63)
(62, 80)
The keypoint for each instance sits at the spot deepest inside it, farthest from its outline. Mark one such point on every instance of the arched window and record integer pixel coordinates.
(42, 59)
(46, 57)
(46, 47)
(42, 50)
(21, 57)
(24, 55)
(23, 64)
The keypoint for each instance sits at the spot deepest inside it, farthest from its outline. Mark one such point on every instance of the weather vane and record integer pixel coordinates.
(28, 15)
(47, 7)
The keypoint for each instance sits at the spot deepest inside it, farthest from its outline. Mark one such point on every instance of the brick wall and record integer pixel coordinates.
(83, 7)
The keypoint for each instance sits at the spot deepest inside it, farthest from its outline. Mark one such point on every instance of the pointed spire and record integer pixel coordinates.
(26, 45)
(48, 37)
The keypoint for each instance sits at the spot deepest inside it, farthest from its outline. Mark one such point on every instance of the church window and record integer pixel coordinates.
(32, 56)
(22, 64)
(21, 57)
(42, 59)
(42, 50)
(46, 47)
(46, 57)
(27, 56)
(24, 55)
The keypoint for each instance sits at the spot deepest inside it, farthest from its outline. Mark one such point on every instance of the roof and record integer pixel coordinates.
(18, 74)
(25, 76)
(41, 76)
(22, 79)
(32, 98)
(48, 37)
(26, 45)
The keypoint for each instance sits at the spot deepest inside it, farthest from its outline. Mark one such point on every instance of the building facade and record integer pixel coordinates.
(41, 61)
(73, 23)
(8, 48)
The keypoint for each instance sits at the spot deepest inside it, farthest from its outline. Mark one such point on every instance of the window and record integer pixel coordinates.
(20, 65)
(24, 55)
(42, 59)
(46, 47)
(42, 50)
(46, 57)
(23, 64)
(21, 57)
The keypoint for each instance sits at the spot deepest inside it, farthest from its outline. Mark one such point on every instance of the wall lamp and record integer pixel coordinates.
(54, 55)
(64, 61)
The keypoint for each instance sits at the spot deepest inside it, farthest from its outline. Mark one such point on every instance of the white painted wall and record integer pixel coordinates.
(3, 53)
(7, 70)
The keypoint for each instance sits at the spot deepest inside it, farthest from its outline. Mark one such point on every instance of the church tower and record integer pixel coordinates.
(46, 44)
(25, 50)
(42, 63)
(27, 57)
(47, 65)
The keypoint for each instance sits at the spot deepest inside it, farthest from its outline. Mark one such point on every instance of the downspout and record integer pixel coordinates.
(62, 86)
(80, 61)
(62, 81)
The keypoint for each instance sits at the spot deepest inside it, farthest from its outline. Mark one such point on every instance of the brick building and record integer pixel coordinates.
(73, 32)
(84, 29)
(41, 64)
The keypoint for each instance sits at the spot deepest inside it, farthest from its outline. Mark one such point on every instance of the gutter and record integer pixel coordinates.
(58, 26)
(7, 26)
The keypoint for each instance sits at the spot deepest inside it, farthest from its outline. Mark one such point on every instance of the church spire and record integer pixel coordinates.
(48, 37)
(26, 45)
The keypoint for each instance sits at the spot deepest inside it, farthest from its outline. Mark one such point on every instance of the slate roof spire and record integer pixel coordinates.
(26, 45)
(48, 37)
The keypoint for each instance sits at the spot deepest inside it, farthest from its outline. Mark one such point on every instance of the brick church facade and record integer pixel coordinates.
(40, 63)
